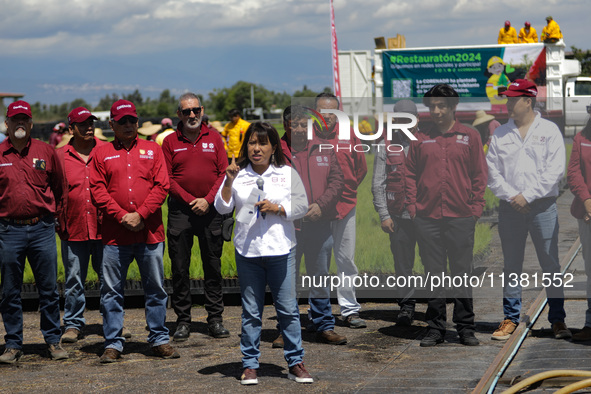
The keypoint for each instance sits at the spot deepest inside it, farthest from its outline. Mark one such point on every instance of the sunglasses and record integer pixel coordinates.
(127, 119)
(187, 111)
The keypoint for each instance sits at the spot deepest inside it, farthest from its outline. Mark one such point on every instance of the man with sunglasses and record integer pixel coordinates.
(128, 183)
(191, 213)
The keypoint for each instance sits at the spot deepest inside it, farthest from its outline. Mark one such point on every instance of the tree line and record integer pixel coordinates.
(217, 104)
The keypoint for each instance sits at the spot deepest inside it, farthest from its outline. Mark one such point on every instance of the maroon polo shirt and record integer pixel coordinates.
(81, 216)
(579, 174)
(196, 170)
(353, 166)
(134, 180)
(446, 174)
(32, 182)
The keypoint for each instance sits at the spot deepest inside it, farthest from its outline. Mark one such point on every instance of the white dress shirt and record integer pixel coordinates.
(533, 166)
(273, 235)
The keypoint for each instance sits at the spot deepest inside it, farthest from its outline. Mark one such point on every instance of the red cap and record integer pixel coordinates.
(507, 23)
(79, 115)
(121, 108)
(527, 24)
(18, 107)
(521, 88)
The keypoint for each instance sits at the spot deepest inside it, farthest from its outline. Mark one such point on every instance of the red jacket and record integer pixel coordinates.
(195, 170)
(446, 174)
(134, 180)
(579, 174)
(81, 216)
(322, 177)
(353, 166)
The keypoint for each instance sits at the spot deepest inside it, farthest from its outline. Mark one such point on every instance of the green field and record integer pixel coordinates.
(372, 253)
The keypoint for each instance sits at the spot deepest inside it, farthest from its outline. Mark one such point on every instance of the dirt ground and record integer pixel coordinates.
(206, 363)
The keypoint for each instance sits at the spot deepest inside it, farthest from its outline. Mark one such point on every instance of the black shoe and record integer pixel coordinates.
(432, 338)
(469, 339)
(405, 317)
(182, 333)
(217, 330)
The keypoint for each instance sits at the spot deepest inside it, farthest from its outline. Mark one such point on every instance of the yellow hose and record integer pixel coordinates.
(547, 375)
(571, 388)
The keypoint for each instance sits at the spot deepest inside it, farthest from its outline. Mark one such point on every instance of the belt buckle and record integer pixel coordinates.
(27, 222)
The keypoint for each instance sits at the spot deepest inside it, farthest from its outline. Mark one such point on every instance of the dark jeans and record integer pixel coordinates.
(36, 243)
(402, 244)
(183, 225)
(441, 240)
(311, 241)
(541, 223)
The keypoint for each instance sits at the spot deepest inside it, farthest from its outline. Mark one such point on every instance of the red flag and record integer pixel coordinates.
(336, 81)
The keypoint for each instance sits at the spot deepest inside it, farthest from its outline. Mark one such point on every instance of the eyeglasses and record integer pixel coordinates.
(127, 119)
(187, 111)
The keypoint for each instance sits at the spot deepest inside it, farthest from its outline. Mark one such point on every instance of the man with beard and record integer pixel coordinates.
(31, 194)
(191, 213)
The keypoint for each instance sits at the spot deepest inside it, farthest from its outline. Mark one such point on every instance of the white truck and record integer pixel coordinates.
(373, 82)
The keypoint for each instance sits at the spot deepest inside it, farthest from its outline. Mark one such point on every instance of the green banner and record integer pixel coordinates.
(472, 71)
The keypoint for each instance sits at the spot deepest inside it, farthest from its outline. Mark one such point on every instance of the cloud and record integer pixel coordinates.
(117, 27)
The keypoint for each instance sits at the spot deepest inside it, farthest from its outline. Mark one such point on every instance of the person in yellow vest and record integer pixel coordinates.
(507, 34)
(233, 133)
(551, 32)
(528, 34)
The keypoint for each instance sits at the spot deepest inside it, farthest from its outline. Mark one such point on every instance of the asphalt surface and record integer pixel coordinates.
(379, 358)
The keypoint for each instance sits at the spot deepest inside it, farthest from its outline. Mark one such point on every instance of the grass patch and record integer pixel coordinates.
(372, 255)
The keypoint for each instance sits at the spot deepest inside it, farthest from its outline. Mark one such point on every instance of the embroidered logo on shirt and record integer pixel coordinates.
(39, 164)
(111, 157)
(180, 149)
(208, 147)
(5, 164)
(149, 155)
(538, 140)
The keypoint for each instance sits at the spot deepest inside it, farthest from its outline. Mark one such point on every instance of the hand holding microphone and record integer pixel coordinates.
(260, 183)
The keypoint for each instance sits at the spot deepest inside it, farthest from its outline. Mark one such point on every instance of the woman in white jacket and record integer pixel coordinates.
(264, 238)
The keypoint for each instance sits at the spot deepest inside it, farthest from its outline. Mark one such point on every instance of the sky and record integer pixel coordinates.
(54, 51)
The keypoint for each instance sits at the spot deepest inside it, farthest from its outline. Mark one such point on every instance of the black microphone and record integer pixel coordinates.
(260, 183)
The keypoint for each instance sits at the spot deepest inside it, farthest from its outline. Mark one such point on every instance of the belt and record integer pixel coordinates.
(541, 200)
(23, 222)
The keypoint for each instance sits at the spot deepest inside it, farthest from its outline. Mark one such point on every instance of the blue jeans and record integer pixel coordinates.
(312, 241)
(542, 225)
(37, 244)
(75, 256)
(254, 274)
(116, 260)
